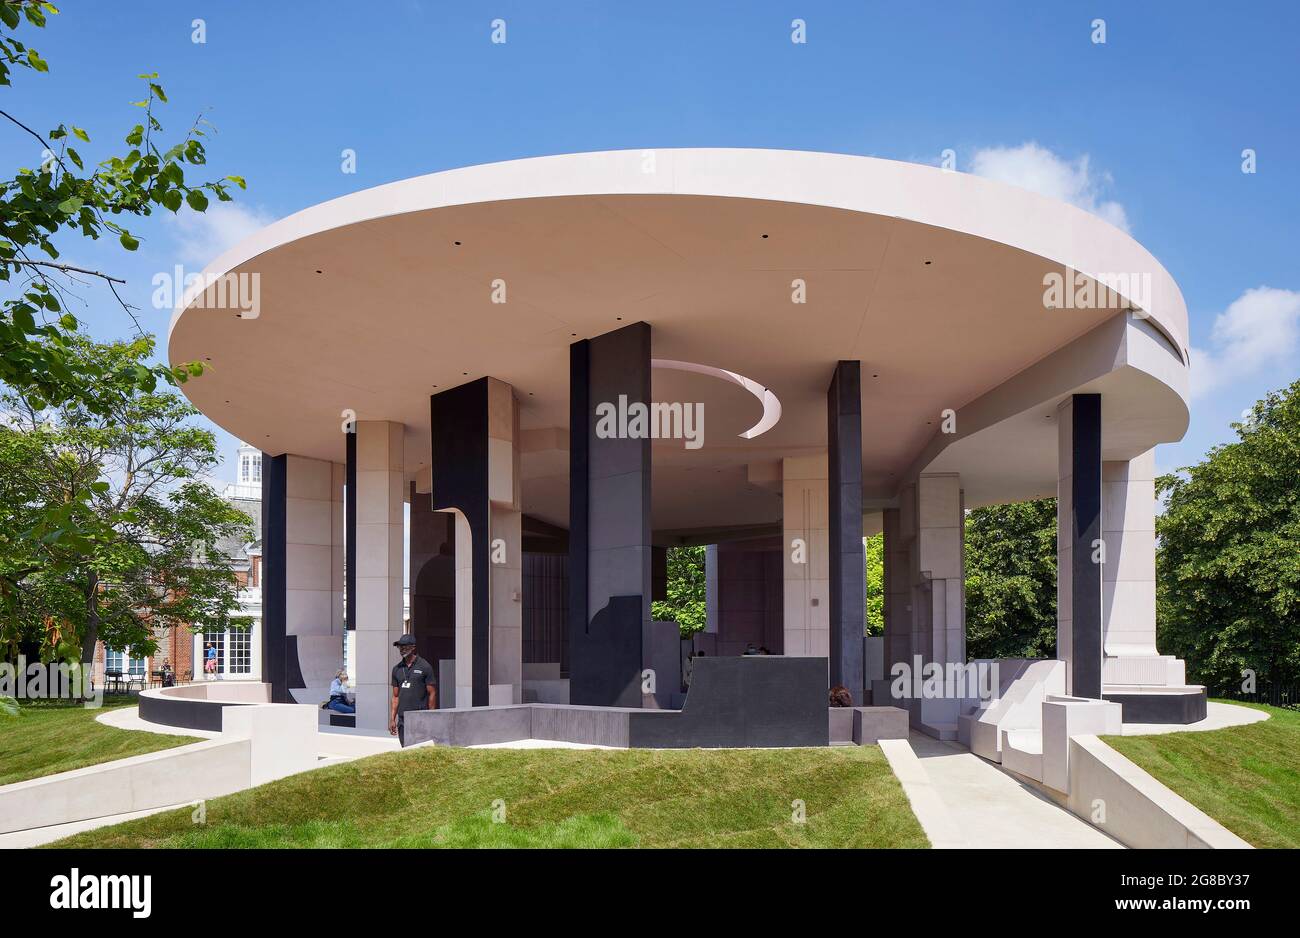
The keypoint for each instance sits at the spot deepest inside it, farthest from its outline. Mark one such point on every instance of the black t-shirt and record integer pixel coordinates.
(413, 684)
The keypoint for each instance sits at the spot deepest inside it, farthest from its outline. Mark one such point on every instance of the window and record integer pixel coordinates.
(122, 661)
(234, 651)
(218, 641)
(239, 651)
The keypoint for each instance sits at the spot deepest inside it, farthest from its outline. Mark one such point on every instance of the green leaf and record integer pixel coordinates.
(172, 199)
(70, 206)
(196, 200)
(128, 242)
(81, 134)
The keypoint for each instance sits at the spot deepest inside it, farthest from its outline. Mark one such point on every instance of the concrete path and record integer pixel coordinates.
(128, 718)
(963, 801)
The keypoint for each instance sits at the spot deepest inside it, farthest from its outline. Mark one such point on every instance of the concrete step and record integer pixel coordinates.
(940, 730)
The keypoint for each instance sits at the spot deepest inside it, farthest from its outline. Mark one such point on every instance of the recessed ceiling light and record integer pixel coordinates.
(875, 376)
(457, 243)
(928, 263)
(764, 236)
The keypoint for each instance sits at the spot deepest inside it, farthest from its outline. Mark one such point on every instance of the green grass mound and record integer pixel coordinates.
(42, 739)
(1245, 777)
(442, 797)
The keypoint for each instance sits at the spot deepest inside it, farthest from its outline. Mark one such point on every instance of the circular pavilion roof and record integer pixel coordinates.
(932, 279)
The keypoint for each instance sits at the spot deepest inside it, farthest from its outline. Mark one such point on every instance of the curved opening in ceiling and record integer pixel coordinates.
(771, 405)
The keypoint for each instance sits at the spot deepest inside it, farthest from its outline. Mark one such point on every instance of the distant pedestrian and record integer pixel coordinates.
(168, 675)
(210, 662)
(414, 687)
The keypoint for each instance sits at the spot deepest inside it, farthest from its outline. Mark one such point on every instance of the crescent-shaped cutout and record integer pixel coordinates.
(771, 405)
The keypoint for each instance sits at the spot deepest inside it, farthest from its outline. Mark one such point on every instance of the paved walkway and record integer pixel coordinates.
(963, 801)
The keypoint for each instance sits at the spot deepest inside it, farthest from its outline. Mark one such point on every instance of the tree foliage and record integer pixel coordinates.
(875, 583)
(64, 199)
(686, 603)
(1011, 580)
(1228, 567)
(145, 552)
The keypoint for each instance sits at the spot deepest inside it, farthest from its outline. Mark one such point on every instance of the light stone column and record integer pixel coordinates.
(313, 549)
(380, 499)
(464, 612)
(506, 642)
(1128, 589)
(309, 530)
(338, 480)
(940, 632)
(505, 561)
(1064, 542)
(898, 593)
(805, 519)
(1128, 526)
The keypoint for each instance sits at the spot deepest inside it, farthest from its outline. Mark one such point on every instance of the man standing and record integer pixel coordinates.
(414, 686)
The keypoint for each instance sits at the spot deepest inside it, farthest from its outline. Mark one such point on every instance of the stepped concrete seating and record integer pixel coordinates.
(754, 701)
(1151, 687)
(1023, 685)
(1022, 752)
(1064, 717)
(332, 718)
(866, 726)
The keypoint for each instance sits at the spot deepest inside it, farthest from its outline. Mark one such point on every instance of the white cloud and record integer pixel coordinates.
(1037, 168)
(202, 236)
(1259, 329)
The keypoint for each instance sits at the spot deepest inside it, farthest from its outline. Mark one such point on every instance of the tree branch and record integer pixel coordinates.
(66, 268)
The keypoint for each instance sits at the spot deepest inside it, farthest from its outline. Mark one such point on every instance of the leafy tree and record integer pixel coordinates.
(686, 604)
(154, 559)
(1011, 580)
(62, 200)
(1228, 567)
(875, 584)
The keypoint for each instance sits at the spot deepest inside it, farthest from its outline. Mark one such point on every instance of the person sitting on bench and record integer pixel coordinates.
(338, 701)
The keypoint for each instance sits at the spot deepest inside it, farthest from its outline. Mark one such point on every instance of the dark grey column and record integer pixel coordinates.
(459, 430)
(844, 495)
(609, 535)
(275, 473)
(1085, 529)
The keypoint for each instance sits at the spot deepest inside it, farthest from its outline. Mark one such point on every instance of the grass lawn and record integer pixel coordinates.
(44, 738)
(1245, 777)
(443, 797)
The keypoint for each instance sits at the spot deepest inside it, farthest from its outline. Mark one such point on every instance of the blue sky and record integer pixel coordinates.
(1146, 129)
